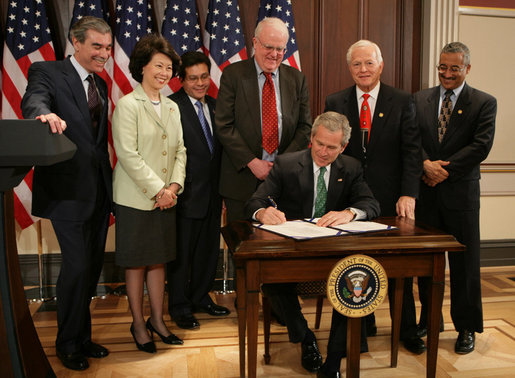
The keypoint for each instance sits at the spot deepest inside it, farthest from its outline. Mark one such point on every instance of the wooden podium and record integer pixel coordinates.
(23, 144)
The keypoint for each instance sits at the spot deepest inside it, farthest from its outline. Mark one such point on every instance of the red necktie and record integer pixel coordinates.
(365, 119)
(269, 115)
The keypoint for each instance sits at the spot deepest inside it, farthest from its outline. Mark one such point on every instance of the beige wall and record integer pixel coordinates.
(491, 38)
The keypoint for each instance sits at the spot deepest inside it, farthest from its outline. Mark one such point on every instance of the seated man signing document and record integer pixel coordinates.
(318, 182)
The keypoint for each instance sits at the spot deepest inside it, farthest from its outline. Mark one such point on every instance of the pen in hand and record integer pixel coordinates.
(272, 202)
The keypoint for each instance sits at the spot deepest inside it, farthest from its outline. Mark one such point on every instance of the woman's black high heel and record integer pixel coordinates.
(149, 347)
(172, 339)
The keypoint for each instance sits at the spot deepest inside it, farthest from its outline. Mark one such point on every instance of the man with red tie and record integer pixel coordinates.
(262, 111)
(386, 140)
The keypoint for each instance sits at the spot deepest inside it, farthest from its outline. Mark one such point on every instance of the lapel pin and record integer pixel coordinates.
(340, 180)
(460, 111)
(381, 115)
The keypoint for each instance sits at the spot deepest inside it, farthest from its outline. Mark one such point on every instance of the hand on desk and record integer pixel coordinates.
(334, 218)
(270, 215)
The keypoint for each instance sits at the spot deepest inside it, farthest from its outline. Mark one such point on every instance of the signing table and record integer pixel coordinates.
(263, 257)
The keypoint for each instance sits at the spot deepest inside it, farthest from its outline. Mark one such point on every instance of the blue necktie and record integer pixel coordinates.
(205, 126)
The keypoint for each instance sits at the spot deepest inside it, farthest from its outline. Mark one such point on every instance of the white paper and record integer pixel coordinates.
(298, 229)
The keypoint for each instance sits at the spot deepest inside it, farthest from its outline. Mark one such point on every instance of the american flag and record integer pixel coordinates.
(224, 42)
(81, 8)
(133, 20)
(282, 9)
(27, 40)
(181, 28)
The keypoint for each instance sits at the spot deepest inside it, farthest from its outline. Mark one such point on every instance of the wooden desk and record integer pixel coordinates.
(264, 257)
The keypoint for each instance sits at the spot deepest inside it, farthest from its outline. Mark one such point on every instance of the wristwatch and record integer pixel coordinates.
(353, 212)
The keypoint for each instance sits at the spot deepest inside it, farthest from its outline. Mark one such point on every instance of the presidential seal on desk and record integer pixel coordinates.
(357, 285)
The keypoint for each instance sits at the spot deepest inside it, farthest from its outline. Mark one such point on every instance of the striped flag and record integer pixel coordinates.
(133, 20)
(282, 9)
(81, 8)
(181, 28)
(27, 40)
(223, 40)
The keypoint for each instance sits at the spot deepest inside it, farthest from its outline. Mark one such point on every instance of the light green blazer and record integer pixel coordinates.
(150, 150)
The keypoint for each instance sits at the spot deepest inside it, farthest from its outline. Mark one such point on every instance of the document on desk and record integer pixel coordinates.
(300, 230)
(358, 226)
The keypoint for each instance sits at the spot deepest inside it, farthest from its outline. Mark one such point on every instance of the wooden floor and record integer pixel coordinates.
(212, 350)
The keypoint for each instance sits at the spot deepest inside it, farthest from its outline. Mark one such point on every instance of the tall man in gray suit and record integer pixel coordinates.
(262, 111)
(457, 123)
(76, 195)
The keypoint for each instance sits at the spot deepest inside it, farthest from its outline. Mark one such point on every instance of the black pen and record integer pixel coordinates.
(272, 202)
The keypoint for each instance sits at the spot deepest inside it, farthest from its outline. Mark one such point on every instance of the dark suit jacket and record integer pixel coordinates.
(68, 190)
(290, 183)
(238, 123)
(393, 163)
(467, 142)
(202, 170)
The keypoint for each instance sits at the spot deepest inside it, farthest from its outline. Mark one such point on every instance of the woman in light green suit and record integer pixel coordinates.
(147, 179)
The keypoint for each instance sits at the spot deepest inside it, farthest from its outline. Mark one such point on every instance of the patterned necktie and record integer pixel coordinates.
(445, 115)
(94, 104)
(269, 115)
(321, 194)
(365, 120)
(205, 126)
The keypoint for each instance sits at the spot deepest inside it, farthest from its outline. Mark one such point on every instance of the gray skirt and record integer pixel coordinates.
(144, 237)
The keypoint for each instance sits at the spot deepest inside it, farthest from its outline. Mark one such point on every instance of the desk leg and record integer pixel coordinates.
(353, 346)
(396, 319)
(433, 313)
(241, 304)
(252, 316)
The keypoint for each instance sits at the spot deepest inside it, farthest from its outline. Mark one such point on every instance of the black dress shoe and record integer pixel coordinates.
(414, 345)
(170, 339)
(149, 347)
(465, 343)
(422, 328)
(73, 361)
(214, 310)
(323, 374)
(94, 350)
(311, 359)
(186, 321)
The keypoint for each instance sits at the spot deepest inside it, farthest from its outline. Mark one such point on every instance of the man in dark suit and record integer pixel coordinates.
(249, 152)
(386, 140)
(457, 124)
(191, 275)
(76, 195)
(319, 182)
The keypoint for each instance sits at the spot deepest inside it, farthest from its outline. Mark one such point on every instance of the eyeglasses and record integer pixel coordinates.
(192, 79)
(269, 49)
(443, 68)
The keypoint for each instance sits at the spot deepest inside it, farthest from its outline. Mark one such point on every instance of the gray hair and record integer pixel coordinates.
(333, 122)
(364, 43)
(79, 29)
(274, 22)
(457, 47)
